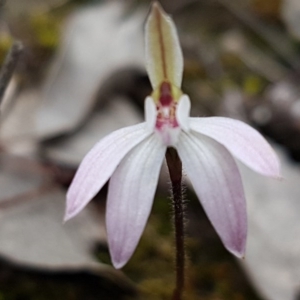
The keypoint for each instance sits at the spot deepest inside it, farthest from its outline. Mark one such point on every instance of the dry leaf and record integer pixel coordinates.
(32, 232)
(70, 150)
(98, 41)
(273, 246)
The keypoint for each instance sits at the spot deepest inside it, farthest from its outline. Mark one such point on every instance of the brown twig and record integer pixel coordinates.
(9, 66)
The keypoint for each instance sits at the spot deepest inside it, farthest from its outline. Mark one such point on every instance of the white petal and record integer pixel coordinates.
(183, 112)
(150, 113)
(244, 142)
(217, 182)
(130, 197)
(164, 59)
(98, 165)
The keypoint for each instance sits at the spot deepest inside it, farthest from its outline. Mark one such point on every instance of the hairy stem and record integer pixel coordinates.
(175, 170)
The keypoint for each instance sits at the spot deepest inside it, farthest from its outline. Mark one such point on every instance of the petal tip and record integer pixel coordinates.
(73, 207)
(118, 264)
(238, 253)
(274, 169)
(70, 213)
(66, 218)
(156, 7)
(237, 246)
(118, 257)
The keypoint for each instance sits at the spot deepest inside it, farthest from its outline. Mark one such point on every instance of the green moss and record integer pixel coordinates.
(5, 44)
(253, 85)
(45, 29)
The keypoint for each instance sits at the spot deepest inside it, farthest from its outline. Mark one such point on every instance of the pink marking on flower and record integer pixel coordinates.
(166, 124)
(165, 94)
(166, 108)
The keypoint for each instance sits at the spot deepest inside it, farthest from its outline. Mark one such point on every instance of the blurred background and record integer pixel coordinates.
(80, 76)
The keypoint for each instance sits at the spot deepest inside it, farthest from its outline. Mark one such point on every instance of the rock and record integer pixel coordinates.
(290, 12)
(272, 256)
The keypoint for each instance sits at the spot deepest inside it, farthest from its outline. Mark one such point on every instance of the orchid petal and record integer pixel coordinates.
(164, 61)
(244, 142)
(150, 113)
(130, 197)
(217, 183)
(183, 112)
(99, 164)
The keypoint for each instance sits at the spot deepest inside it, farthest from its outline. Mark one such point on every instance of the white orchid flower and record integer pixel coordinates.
(132, 157)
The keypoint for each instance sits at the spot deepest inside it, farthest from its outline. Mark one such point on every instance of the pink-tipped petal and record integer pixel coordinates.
(183, 112)
(98, 165)
(244, 142)
(130, 197)
(217, 183)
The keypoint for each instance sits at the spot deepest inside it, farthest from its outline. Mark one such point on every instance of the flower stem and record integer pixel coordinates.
(175, 170)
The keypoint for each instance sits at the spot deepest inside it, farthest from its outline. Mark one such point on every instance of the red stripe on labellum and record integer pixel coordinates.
(165, 98)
